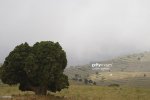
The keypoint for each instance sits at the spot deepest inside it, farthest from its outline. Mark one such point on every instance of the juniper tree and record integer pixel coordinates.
(36, 68)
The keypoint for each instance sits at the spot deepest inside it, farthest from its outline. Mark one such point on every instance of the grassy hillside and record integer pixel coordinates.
(134, 79)
(128, 70)
(129, 63)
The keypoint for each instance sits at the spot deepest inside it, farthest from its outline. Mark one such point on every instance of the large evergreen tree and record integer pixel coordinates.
(36, 68)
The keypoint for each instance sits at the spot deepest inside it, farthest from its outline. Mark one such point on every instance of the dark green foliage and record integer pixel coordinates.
(96, 72)
(94, 83)
(77, 76)
(38, 68)
(90, 81)
(80, 80)
(86, 81)
(144, 75)
(114, 85)
(139, 58)
(0, 72)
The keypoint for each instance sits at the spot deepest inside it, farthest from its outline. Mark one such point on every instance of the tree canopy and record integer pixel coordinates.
(36, 68)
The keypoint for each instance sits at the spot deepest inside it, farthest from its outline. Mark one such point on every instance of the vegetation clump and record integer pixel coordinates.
(36, 68)
(114, 85)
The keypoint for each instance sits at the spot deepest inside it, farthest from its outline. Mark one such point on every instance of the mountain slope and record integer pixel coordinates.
(139, 62)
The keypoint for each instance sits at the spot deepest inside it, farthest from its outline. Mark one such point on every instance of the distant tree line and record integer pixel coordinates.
(77, 77)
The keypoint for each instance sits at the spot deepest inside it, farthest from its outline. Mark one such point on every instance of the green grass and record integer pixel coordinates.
(83, 92)
(6, 90)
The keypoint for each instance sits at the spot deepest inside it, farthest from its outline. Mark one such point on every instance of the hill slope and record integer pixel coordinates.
(130, 69)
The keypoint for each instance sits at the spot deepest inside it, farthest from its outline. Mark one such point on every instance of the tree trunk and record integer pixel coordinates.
(40, 90)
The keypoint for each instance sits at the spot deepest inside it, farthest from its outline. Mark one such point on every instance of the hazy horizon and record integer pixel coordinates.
(88, 30)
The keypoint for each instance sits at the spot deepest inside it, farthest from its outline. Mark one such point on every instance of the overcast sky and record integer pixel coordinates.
(88, 30)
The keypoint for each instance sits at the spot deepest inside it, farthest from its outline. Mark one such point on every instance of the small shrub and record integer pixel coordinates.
(80, 80)
(94, 83)
(114, 85)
